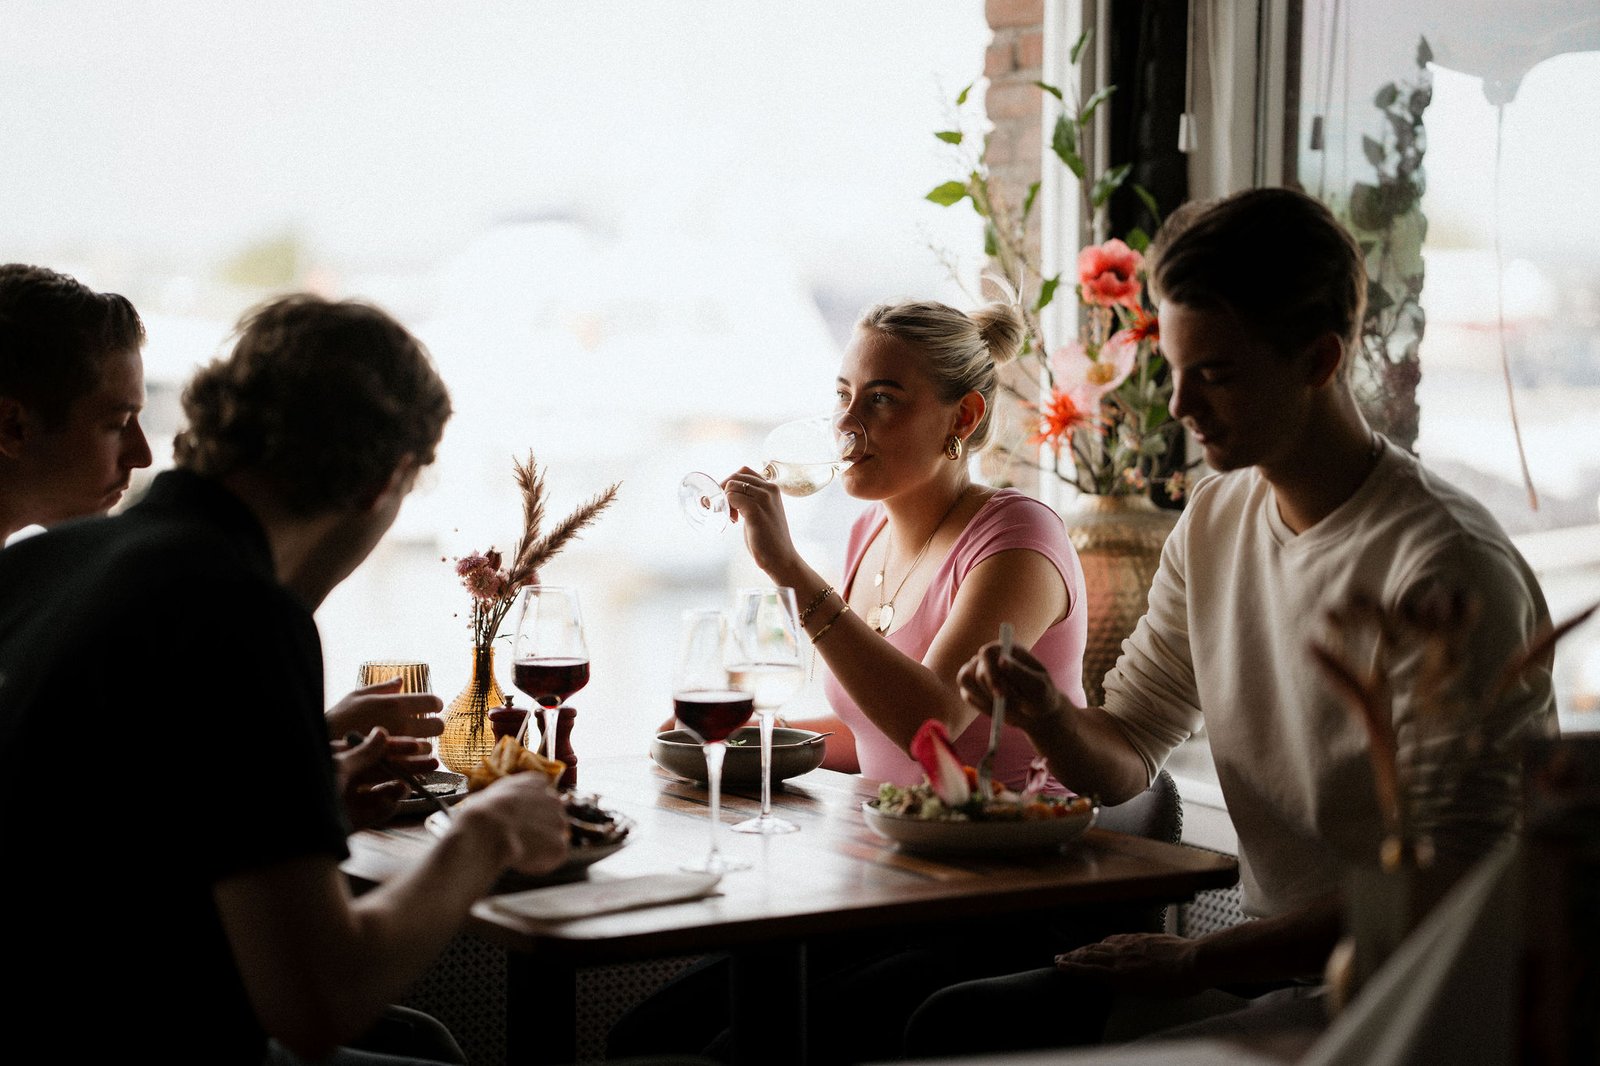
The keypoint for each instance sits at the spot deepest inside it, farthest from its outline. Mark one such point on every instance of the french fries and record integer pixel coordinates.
(510, 757)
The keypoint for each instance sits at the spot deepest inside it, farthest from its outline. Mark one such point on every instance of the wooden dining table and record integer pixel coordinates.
(834, 876)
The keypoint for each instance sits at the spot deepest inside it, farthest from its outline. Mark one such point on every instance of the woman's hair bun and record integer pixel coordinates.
(1002, 327)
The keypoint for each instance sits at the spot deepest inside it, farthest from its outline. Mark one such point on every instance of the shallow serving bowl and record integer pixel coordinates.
(794, 752)
(1006, 838)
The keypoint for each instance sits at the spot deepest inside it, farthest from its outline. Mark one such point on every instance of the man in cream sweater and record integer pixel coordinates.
(1261, 300)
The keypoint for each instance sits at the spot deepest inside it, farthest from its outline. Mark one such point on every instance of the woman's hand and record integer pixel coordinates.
(1032, 699)
(756, 503)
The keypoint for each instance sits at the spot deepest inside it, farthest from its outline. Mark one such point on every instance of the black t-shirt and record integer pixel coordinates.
(161, 717)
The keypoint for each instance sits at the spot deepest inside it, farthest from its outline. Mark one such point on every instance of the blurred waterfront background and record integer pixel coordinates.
(635, 237)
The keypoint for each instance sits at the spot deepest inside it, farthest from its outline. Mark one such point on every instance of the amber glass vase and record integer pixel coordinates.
(1119, 541)
(467, 737)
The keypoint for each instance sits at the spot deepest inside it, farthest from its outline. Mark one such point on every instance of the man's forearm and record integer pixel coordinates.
(1089, 754)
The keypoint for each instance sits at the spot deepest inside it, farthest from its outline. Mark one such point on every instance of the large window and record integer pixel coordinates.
(633, 235)
(1449, 136)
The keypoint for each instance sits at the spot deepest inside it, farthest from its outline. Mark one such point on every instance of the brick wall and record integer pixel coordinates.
(1015, 60)
(1013, 103)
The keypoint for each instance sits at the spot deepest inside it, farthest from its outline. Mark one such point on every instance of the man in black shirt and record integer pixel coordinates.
(187, 887)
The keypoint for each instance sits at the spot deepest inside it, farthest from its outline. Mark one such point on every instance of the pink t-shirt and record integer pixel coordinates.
(1009, 520)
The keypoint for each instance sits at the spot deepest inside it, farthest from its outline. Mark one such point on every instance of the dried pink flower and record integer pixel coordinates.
(468, 564)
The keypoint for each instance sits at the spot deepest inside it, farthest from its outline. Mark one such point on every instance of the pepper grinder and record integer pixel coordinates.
(564, 717)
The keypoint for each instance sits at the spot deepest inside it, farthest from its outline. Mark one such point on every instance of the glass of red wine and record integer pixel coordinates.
(707, 705)
(549, 658)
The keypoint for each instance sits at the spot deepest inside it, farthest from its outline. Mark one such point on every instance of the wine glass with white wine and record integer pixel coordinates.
(765, 660)
(801, 457)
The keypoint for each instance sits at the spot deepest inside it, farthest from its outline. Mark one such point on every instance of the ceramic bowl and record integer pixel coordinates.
(995, 838)
(794, 752)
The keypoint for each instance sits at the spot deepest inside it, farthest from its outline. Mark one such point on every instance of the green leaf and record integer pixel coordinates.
(1051, 89)
(1419, 101)
(1047, 292)
(1108, 183)
(1137, 239)
(1065, 145)
(961, 97)
(1093, 102)
(1149, 202)
(951, 192)
(949, 136)
(1366, 207)
(1378, 297)
(1077, 48)
(1386, 95)
(1424, 53)
(1027, 201)
(1373, 149)
(991, 240)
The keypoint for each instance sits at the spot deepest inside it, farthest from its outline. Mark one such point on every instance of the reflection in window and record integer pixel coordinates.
(1444, 134)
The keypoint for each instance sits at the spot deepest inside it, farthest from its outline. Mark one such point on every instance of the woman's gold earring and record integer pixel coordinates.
(954, 448)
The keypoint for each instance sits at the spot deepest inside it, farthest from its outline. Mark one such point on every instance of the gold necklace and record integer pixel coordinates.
(882, 616)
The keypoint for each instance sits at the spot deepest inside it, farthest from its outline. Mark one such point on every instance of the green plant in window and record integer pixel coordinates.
(1385, 215)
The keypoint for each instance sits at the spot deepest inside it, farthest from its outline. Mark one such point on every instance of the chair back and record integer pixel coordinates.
(1156, 813)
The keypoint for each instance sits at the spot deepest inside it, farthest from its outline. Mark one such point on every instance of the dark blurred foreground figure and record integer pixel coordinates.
(71, 389)
(185, 889)
(1261, 297)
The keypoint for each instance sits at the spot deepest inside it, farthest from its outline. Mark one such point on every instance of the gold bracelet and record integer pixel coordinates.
(844, 608)
(815, 603)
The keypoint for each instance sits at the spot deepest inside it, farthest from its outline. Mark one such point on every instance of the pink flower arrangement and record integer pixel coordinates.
(493, 585)
(1110, 379)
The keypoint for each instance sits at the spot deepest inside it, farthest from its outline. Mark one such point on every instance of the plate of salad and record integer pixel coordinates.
(946, 813)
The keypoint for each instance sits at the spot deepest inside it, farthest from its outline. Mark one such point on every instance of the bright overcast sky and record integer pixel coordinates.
(397, 129)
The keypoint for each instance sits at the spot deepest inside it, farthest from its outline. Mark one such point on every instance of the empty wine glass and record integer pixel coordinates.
(800, 457)
(765, 661)
(549, 657)
(414, 677)
(709, 707)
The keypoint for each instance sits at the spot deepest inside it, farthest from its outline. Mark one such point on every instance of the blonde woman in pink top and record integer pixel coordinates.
(938, 562)
(932, 569)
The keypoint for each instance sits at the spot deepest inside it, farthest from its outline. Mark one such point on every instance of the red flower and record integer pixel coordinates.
(948, 778)
(1108, 274)
(1059, 416)
(1146, 327)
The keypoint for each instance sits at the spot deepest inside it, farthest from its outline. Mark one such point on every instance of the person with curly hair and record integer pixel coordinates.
(242, 942)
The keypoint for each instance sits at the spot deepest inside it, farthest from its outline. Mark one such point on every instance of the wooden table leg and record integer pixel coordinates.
(541, 1010)
(769, 1005)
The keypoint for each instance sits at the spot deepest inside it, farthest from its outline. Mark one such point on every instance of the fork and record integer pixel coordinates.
(997, 721)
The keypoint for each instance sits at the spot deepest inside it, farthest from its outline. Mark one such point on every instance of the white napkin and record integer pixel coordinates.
(585, 899)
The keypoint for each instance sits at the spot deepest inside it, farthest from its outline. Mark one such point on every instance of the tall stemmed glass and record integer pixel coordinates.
(765, 661)
(711, 709)
(800, 457)
(549, 657)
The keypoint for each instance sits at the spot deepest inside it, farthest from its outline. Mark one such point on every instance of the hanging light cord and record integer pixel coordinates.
(1500, 310)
